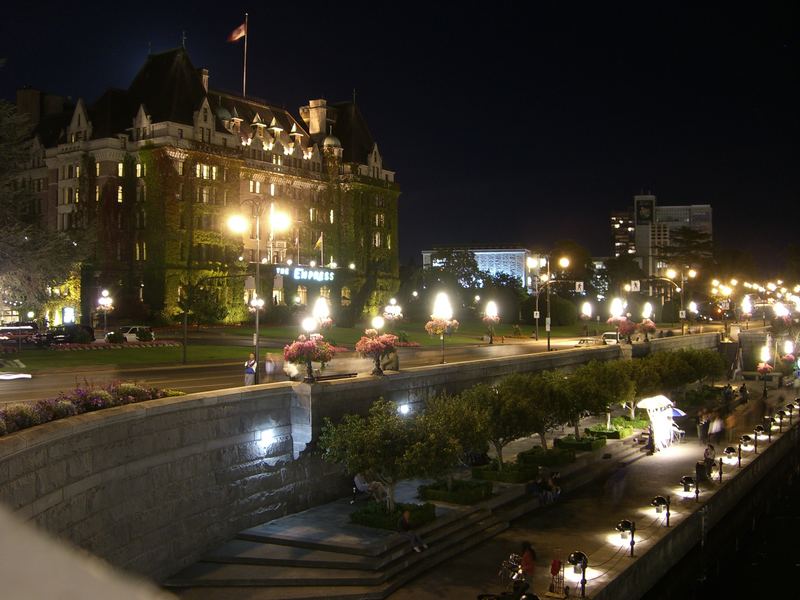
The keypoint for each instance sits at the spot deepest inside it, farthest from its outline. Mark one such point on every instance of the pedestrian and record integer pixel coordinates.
(715, 429)
(528, 563)
(709, 459)
(270, 369)
(744, 393)
(702, 425)
(404, 527)
(250, 367)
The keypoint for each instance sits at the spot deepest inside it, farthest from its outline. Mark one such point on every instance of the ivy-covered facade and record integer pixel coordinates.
(151, 175)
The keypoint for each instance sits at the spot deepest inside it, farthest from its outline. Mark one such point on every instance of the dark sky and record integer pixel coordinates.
(506, 122)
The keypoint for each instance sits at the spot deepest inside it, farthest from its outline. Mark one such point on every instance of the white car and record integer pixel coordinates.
(610, 338)
(133, 332)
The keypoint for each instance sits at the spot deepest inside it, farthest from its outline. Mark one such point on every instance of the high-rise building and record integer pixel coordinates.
(151, 175)
(623, 233)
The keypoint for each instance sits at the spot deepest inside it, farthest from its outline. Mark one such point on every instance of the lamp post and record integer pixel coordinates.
(442, 311)
(672, 274)
(586, 314)
(490, 315)
(309, 325)
(765, 360)
(239, 224)
(105, 303)
(563, 262)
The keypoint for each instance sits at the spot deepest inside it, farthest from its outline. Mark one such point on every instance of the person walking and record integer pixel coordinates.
(528, 563)
(270, 369)
(709, 459)
(250, 367)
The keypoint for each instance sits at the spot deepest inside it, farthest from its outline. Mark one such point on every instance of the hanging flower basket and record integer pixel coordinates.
(647, 326)
(441, 326)
(764, 368)
(306, 350)
(376, 346)
(789, 358)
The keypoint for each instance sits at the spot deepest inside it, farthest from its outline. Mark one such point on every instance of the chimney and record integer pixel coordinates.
(204, 77)
(315, 115)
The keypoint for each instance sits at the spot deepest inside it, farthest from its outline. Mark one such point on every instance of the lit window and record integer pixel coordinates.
(252, 186)
(325, 292)
(345, 296)
(271, 189)
(311, 214)
(376, 239)
(388, 241)
(97, 169)
(77, 195)
(331, 216)
(119, 169)
(97, 193)
(302, 294)
(138, 169)
(119, 194)
(214, 173)
(205, 171)
(197, 170)
(77, 170)
(180, 167)
(258, 187)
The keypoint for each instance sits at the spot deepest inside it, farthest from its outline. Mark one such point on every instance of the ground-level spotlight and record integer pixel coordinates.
(688, 482)
(661, 504)
(627, 529)
(746, 443)
(730, 455)
(579, 562)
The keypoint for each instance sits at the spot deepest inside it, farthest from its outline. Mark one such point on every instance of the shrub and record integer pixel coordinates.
(462, 492)
(115, 337)
(609, 434)
(90, 400)
(375, 514)
(126, 393)
(538, 457)
(78, 335)
(402, 337)
(586, 444)
(52, 409)
(3, 429)
(628, 423)
(511, 473)
(20, 416)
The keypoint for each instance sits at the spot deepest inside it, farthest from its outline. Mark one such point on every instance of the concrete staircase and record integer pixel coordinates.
(318, 554)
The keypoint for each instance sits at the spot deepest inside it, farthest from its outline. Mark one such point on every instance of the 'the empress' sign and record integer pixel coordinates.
(302, 274)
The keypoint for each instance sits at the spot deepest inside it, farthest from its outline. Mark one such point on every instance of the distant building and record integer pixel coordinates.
(511, 260)
(644, 230)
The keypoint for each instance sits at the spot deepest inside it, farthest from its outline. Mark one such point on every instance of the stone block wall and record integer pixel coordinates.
(151, 486)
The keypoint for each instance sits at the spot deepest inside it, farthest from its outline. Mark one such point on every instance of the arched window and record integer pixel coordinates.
(325, 292)
(302, 294)
(345, 296)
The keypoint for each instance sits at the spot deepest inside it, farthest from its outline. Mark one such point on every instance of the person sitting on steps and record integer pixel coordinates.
(404, 527)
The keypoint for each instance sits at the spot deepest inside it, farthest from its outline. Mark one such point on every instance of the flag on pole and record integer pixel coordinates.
(238, 33)
(318, 245)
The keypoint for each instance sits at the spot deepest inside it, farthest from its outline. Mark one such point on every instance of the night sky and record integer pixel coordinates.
(506, 122)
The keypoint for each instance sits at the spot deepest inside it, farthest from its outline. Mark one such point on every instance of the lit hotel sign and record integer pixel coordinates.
(301, 274)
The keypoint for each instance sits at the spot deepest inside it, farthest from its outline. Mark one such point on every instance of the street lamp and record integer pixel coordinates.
(691, 274)
(442, 311)
(563, 262)
(378, 323)
(104, 304)
(491, 318)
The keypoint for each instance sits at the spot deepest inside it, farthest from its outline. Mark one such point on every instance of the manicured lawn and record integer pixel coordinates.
(37, 360)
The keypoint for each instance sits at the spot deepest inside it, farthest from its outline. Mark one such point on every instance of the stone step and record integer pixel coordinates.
(380, 542)
(426, 561)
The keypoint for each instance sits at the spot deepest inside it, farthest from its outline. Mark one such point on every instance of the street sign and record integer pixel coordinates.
(536, 314)
(636, 285)
(578, 286)
(250, 283)
(682, 314)
(725, 305)
(547, 324)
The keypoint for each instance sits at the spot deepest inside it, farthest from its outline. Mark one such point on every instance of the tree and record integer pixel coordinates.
(586, 394)
(645, 377)
(621, 270)
(447, 430)
(687, 247)
(546, 394)
(376, 445)
(506, 411)
(459, 267)
(31, 257)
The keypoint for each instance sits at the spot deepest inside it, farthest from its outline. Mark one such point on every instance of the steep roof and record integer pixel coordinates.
(247, 108)
(51, 128)
(351, 129)
(111, 113)
(169, 86)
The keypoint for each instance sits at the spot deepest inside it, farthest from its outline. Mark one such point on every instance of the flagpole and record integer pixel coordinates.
(244, 72)
(322, 249)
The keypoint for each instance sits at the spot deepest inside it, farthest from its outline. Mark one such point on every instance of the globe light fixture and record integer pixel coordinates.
(563, 262)
(442, 311)
(378, 323)
(586, 310)
(672, 273)
(309, 324)
(238, 223)
(647, 310)
(693, 307)
(617, 308)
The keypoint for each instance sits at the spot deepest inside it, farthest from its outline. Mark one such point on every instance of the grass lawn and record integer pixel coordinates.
(39, 359)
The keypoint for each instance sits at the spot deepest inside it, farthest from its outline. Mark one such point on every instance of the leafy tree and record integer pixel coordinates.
(376, 445)
(546, 394)
(507, 414)
(621, 270)
(31, 257)
(585, 394)
(458, 268)
(687, 247)
(645, 377)
(447, 430)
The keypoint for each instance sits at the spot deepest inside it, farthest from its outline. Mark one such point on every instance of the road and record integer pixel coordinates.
(205, 377)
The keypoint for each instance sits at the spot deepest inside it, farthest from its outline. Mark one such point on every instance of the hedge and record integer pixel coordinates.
(511, 473)
(374, 514)
(584, 444)
(609, 434)
(538, 457)
(462, 492)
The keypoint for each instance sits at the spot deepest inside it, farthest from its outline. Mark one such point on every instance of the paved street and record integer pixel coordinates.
(204, 377)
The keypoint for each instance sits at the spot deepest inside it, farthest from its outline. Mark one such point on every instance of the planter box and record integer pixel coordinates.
(463, 492)
(582, 445)
(511, 473)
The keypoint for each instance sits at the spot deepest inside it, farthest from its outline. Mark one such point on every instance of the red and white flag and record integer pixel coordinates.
(238, 33)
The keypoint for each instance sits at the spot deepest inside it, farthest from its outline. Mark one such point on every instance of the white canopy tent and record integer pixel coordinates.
(659, 410)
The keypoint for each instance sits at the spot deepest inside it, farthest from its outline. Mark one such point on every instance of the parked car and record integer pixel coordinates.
(610, 338)
(73, 333)
(588, 342)
(135, 333)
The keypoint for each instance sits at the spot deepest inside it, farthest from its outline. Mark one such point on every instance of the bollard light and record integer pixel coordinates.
(579, 562)
(688, 482)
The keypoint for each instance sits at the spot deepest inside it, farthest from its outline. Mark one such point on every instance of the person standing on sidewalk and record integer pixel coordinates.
(270, 368)
(709, 458)
(250, 366)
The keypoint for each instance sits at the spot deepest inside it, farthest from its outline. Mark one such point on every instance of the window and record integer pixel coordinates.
(311, 214)
(180, 167)
(197, 170)
(345, 296)
(138, 169)
(206, 171)
(77, 195)
(97, 169)
(77, 170)
(331, 216)
(180, 133)
(252, 186)
(380, 220)
(389, 241)
(205, 195)
(325, 292)
(119, 169)
(97, 193)
(70, 196)
(376, 239)
(205, 115)
(258, 187)
(119, 194)
(302, 294)
(214, 173)
(271, 189)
